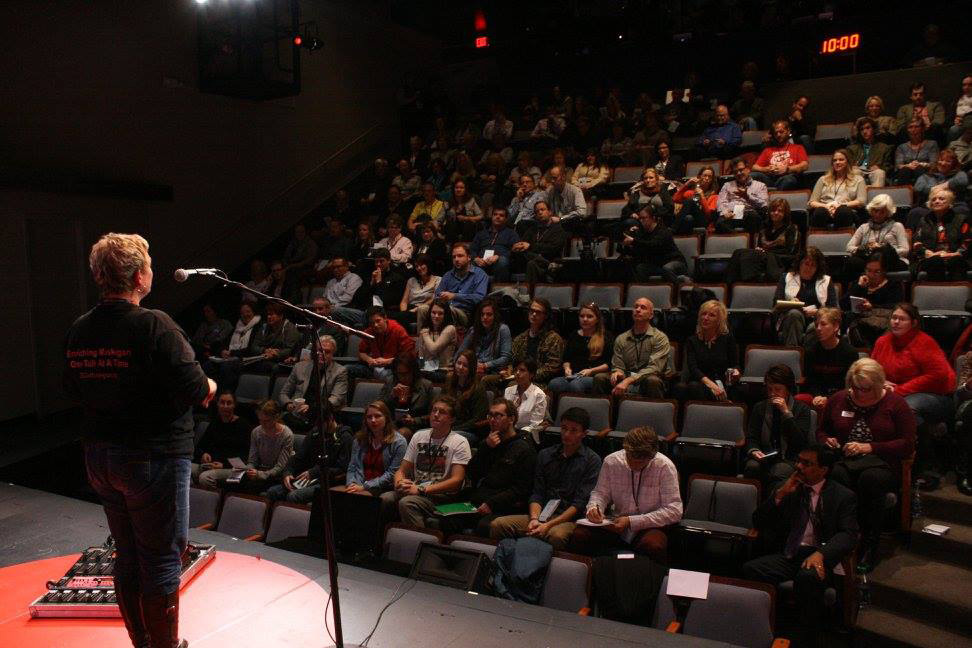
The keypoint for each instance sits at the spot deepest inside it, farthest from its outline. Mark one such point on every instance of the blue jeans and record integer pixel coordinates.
(146, 501)
(930, 408)
(279, 492)
(783, 182)
(352, 317)
(580, 384)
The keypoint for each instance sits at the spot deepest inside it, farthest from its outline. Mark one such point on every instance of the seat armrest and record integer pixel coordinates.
(674, 627)
(206, 527)
(779, 642)
(256, 537)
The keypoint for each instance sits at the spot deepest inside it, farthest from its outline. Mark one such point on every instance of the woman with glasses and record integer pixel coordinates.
(588, 353)
(874, 296)
(873, 429)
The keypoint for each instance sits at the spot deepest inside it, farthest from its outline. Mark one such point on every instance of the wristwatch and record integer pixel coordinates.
(421, 490)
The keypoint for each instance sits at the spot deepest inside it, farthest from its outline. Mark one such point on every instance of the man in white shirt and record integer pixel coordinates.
(636, 497)
(340, 289)
(434, 466)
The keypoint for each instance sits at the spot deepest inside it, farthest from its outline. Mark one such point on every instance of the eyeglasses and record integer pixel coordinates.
(538, 311)
(495, 415)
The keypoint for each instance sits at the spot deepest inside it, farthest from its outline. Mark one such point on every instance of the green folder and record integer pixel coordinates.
(459, 508)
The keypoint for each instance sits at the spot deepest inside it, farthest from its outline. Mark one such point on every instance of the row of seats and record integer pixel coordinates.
(246, 517)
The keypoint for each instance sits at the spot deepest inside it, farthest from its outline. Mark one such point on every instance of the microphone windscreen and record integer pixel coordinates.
(180, 275)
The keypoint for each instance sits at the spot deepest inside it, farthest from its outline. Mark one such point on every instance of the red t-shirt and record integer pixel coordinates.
(373, 464)
(790, 154)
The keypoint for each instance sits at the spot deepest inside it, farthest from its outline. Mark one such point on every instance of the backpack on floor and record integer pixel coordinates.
(521, 568)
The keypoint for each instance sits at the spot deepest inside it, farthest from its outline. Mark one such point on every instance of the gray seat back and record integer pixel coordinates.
(287, 522)
(242, 516)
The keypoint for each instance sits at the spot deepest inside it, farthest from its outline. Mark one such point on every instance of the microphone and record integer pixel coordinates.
(181, 274)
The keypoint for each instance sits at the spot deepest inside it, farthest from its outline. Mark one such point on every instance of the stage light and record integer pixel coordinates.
(298, 41)
(200, 2)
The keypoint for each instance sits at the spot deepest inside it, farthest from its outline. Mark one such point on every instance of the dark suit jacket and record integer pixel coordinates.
(838, 518)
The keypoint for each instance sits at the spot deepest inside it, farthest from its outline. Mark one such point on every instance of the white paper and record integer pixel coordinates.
(737, 211)
(549, 509)
(488, 254)
(237, 463)
(856, 303)
(690, 584)
(936, 529)
(376, 301)
(585, 522)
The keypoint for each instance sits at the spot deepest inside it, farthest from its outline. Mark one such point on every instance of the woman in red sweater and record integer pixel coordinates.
(915, 366)
(698, 199)
(874, 430)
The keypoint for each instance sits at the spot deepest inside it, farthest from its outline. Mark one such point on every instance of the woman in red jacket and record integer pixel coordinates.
(916, 367)
(874, 430)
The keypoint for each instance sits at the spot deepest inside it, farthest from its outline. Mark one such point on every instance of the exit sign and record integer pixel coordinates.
(482, 41)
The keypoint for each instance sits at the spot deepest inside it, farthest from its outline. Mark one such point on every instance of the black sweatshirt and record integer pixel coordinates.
(135, 375)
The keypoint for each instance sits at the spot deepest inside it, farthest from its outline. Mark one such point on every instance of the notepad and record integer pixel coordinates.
(457, 508)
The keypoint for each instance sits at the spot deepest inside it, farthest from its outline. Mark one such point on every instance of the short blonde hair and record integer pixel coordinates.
(936, 190)
(881, 201)
(832, 315)
(867, 371)
(114, 261)
(720, 309)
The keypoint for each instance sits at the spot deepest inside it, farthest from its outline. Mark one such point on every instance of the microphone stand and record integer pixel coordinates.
(315, 324)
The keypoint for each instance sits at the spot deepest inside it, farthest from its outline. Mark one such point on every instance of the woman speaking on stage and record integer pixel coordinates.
(135, 375)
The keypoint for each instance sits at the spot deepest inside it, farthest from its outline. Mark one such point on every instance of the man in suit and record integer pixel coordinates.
(812, 521)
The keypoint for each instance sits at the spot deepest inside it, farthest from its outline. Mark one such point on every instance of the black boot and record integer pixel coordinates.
(130, 606)
(161, 615)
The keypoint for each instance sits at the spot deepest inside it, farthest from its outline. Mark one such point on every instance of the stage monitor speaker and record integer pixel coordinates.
(463, 569)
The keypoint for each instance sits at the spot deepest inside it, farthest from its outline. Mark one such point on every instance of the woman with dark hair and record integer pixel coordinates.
(915, 366)
(916, 156)
(588, 353)
(464, 385)
(877, 295)
(433, 247)
(591, 173)
(698, 198)
(489, 338)
(809, 283)
(420, 288)
(436, 344)
(463, 214)
(777, 244)
(711, 357)
(779, 429)
(410, 397)
(940, 245)
(530, 401)
(838, 194)
(541, 342)
(874, 430)
(668, 166)
(364, 241)
(227, 435)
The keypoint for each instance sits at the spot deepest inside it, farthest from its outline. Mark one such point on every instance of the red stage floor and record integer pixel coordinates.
(236, 601)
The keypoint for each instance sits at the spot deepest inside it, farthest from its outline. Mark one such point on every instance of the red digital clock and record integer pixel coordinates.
(841, 44)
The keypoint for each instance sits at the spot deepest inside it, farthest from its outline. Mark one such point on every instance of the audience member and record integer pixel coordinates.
(742, 201)
(931, 114)
(540, 341)
(587, 353)
(871, 317)
(524, 166)
(463, 287)
(550, 127)
(564, 476)
(869, 156)
(343, 285)
(963, 110)
(637, 514)
(880, 234)
(645, 140)
(915, 367)
(962, 147)
(916, 156)
(398, 245)
(541, 245)
(945, 173)
(711, 357)
(463, 215)
(498, 124)
(376, 453)
(225, 437)
(271, 446)
(433, 469)
(259, 280)
(874, 431)
(566, 201)
(212, 335)
(489, 339)
(651, 191)
(364, 242)
(428, 210)
(590, 174)
(418, 155)
(838, 194)
(640, 357)
(807, 282)
(747, 110)
(810, 521)
(698, 199)
(670, 167)
(389, 340)
(410, 397)
(464, 385)
(777, 244)
(528, 398)
(616, 148)
(301, 405)
(723, 138)
(298, 258)
(650, 247)
(243, 337)
(524, 202)
(780, 164)
(436, 344)
(407, 180)
(940, 243)
(433, 246)
(885, 128)
(826, 358)
(802, 127)
(492, 248)
(501, 470)
(302, 477)
(778, 430)
(276, 340)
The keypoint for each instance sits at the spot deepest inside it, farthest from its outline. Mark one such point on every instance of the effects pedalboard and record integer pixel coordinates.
(88, 588)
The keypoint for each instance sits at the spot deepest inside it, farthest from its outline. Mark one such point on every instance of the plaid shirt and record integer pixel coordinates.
(650, 497)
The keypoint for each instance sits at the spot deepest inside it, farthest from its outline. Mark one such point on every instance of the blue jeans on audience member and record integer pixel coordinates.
(349, 316)
(500, 271)
(146, 501)
(930, 408)
(279, 492)
(783, 182)
(581, 384)
(361, 370)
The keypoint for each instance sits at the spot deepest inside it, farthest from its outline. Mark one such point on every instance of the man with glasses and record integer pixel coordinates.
(298, 402)
(541, 246)
(636, 497)
(563, 480)
(742, 201)
(434, 466)
(812, 522)
(501, 471)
